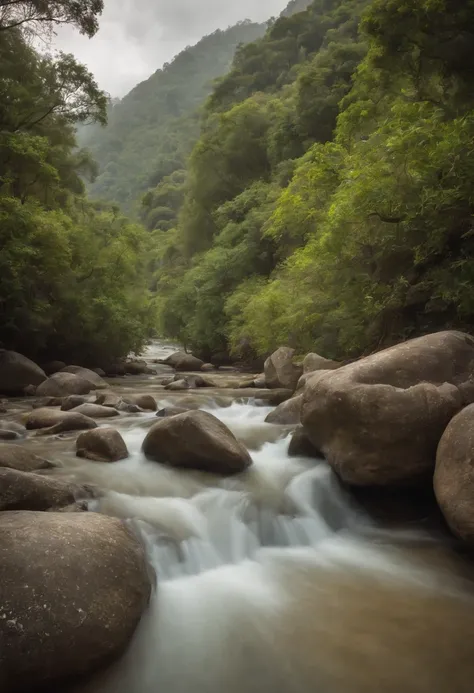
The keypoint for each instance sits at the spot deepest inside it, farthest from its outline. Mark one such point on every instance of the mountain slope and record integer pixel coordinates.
(151, 131)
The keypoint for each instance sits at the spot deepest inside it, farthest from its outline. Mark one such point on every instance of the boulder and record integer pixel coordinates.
(53, 367)
(101, 445)
(72, 402)
(54, 421)
(184, 362)
(17, 372)
(301, 446)
(110, 399)
(136, 367)
(196, 440)
(207, 368)
(96, 411)
(146, 402)
(29, 391)
(11, 430)
(99, 371)
(27, 491)
(20, 458)
(86, 374)
(454, 474)
(171, 411)
(260, 381)
(178, 385)
(287, 413)
(315, 362)
(280, 371)
(74, 587)
(48, 402)
(64, 384)
(378, 421)
(272, 397)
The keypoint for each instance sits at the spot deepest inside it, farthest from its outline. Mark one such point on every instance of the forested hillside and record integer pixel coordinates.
(151, 131)
(72, 272)
(328, 202)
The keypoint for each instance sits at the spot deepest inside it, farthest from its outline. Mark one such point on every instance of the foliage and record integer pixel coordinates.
(357, 120)
(37, 15)
(73, 281)
(152, 130)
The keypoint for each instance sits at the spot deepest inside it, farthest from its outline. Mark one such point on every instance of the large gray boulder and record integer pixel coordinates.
(196, 440)
(96, 411)
(53, 421)
(454, 474)
(184, 362)
(280, 371)
(27, 491)
(74, 587)
(91, 376)
(64, 384)
(314, 362)
(378, 421)
(17, 372)
(287, 413)
(146, 402)
(22, 459)
(101, 445)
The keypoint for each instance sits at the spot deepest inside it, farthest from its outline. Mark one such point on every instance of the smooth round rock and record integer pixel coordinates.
(73, 589)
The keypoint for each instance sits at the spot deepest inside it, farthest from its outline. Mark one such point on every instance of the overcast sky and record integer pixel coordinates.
(137, 36)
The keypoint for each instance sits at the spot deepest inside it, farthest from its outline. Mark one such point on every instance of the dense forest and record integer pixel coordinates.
(151, 132)
(328, 201)
(73, 280)
(310, 183)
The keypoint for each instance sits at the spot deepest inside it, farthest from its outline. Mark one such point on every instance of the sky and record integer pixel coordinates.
(137, 36)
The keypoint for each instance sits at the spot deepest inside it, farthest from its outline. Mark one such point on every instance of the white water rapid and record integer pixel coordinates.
(272, 582)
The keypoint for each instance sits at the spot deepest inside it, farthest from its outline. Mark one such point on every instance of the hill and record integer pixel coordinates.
(151, 130)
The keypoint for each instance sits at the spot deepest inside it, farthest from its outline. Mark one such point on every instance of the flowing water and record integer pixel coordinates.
(274, 581)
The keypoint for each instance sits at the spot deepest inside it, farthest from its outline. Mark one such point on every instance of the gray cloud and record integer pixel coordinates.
(137, 36)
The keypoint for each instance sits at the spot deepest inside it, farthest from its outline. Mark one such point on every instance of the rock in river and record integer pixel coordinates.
(280, 371)
(17, 372)
(56, 421)
(454, 474)
(101, 445)
(96, 411)
(64, 384)
(74, 587)
(27, 491)
(378, 421)
(287, 413)
(196, 440)
(22, 459)
(91, 376)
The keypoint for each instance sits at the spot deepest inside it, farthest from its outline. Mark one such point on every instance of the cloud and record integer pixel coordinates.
(137, 36)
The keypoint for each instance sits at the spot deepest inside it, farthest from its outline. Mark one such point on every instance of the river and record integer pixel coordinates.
(274, 581)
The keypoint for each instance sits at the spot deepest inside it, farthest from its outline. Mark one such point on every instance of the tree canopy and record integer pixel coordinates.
(328, 201)
(72, 273)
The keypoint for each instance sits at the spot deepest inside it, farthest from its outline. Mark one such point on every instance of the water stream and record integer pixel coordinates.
(275, 581)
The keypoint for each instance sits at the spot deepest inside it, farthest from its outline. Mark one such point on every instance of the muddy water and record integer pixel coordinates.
(274, 581)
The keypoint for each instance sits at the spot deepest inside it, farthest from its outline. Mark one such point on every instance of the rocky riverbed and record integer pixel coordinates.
(246, 562)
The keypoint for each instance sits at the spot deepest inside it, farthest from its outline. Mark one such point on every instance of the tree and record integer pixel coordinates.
(38, 16)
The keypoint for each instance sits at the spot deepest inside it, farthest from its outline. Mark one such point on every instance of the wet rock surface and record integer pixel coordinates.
(88, 586)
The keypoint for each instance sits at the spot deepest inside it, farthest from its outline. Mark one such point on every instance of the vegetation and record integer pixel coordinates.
(152, 130)
(328, 201)
(322, 196)
(72, 281)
